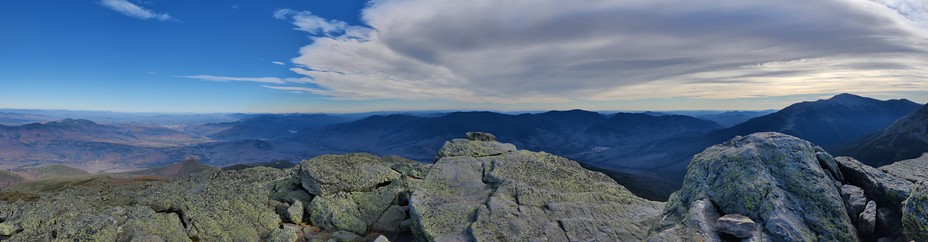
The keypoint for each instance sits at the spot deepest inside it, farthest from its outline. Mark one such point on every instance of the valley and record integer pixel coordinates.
(647, 152)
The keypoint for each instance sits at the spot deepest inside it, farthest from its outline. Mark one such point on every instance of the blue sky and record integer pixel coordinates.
(352, 56)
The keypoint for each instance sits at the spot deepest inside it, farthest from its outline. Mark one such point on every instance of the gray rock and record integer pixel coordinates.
(703, 221)
(381, 239)
(355, 204)
(8, 228)
(700, 225)
(327, 174)
(867, 219)
(220, 206)
(828, 163)
(488, 191)
(888, 221)
(337, 212)
(878, 185)
(737, 225)
(773, 178)
(913, 170)
(480, 136)
(854, 200)
(288, 233)
(391, 219)
(344, 236)
(142, 222)
(295, 212)
(915, 214)
(469, 148)
(406, 225)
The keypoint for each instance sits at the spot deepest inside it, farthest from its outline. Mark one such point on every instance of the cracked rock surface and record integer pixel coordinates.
(483, 190)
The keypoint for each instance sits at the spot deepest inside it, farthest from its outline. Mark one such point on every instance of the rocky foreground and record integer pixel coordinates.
(762, 187)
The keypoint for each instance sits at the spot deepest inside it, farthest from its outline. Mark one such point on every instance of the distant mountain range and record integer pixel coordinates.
(907, 138)
(89, 145)
(840, 119)
(269, 126)
(568, 133)
(647, 148)
(830, 123)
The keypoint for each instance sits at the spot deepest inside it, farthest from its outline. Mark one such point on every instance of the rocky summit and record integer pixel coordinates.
(790, 190)
(760, 187)
(477, 190)
(482, 190)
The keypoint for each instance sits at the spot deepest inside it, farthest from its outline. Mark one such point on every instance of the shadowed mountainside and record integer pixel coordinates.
(907, 138)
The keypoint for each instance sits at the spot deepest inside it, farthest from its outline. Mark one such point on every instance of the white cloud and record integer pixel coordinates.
(917, 11)
(525, 51)
(282, 13)
(278, 63)
(237, 79)
(306, 21)
(130, 9)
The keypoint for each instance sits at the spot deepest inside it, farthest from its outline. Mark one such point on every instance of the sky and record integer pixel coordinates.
(284, 56)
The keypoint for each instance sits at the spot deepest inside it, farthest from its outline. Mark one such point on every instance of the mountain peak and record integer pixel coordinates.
(847, 96)
(848, 99)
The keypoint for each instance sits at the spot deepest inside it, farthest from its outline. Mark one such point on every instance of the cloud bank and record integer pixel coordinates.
(132, 10)
(524, 51)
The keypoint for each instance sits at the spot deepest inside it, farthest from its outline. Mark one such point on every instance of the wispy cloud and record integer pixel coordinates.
(271, 80)
(306, 21)
(293, 89)
(132, 10)
(278, 63)
(274, 80)
(526, 51)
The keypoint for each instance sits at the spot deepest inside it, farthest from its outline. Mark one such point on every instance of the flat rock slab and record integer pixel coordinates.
(913, 170)
(737, 225)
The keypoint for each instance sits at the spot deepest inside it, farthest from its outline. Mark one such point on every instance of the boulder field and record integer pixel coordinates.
(760, 187)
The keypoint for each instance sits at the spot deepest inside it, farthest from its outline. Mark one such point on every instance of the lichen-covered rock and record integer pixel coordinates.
(73, 209)
(147, 238)
(295, 212)
(913, 170)
(480, 136)
(867, 219)
(7, 229)
(878, 186)
(336, 212)
(221, 205)
(736, 225)
(915, 214)
(357, 205)
(288, 233)
(143, 223)
(488, 191)
(774, 179)
(327, 174)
